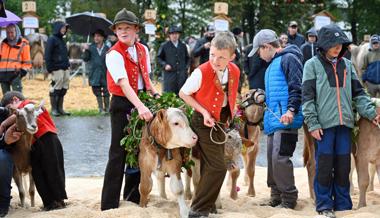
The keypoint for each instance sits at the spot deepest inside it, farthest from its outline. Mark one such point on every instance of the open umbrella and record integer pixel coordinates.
(10, 19)
(87, 23)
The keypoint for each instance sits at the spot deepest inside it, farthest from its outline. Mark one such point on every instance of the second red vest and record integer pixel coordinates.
(211, 94)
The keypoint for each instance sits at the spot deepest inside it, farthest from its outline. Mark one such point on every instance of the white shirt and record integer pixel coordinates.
(194, 82)
(115, 65)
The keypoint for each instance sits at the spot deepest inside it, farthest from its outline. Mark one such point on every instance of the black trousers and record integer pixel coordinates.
(48, 168)
(113, 178)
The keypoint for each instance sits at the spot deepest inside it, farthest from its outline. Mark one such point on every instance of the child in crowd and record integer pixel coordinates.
(330, 86)
(211, 90)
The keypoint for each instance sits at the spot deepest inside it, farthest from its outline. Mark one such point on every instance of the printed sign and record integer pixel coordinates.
(28, 6)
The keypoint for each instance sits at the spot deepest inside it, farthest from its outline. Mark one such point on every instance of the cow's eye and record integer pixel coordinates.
(176, 123)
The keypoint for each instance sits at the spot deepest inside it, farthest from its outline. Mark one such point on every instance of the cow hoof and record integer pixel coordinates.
(188, 196)
(251, 194)
(234, 195)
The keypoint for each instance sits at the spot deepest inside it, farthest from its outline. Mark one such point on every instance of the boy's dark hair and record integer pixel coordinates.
(7, 98)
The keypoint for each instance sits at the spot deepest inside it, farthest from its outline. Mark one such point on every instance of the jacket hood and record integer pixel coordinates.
(57, 28)
(291, 49)
(330, 36)
(312, 32)
(17, 38)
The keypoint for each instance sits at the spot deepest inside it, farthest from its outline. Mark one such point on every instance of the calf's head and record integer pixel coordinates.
(253, 104)
(26, 118)
(171, 129)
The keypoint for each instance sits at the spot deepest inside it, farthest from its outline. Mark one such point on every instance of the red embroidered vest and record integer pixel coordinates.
(133, 69)
(211, 94)
(44, 122)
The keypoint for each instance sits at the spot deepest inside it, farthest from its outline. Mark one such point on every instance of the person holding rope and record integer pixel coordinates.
(128, 65)
(283, 116)
(212, 90)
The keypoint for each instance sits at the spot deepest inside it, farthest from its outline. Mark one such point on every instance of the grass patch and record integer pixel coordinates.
(85, 113)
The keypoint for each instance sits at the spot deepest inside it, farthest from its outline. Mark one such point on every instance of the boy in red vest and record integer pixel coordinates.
(211, 90)
(128, 67)
(46, 155)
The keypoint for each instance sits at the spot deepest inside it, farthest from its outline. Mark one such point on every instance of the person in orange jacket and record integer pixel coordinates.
(46, 155)
(14, 59)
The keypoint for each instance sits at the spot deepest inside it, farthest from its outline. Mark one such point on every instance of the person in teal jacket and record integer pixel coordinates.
(330, 86)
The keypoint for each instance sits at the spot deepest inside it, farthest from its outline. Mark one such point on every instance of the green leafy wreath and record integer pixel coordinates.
(133, 130)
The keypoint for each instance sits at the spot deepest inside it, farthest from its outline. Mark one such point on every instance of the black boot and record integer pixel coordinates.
(60, 103)
(54, 105)
(107, 104)
(99, 99)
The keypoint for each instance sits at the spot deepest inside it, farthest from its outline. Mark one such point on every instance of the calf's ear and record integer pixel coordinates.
(160, 128)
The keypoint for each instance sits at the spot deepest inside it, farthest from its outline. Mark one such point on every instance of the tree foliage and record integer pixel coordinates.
(250, 15)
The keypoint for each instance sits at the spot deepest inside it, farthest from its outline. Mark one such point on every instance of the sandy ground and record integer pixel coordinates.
(84, 193)
(84, 201)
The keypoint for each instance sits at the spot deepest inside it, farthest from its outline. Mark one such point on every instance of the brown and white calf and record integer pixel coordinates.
(25, 120)
(171, 130)
(253, 107)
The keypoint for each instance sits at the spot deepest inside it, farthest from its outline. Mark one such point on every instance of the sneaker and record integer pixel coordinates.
(3, 212)
(272, 203)
(327, 213)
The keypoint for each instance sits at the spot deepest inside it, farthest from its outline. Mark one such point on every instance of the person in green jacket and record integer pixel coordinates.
(95, 55)
(330, 86)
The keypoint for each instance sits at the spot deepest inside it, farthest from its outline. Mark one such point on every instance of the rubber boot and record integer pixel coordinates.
(60, 103)
(107, 104)
(54, 104)
(99, 99)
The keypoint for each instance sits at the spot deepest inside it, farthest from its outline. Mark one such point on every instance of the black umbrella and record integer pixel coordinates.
(87, 23)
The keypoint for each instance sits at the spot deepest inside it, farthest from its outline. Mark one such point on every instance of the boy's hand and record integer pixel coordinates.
(144, 113)
(208, 120)
(168, 67)
(287, 118)
(12, 135)
(317, 134)
(376, 120)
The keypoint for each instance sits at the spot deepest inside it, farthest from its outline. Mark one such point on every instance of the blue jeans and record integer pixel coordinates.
(333, 162)
(6, 172)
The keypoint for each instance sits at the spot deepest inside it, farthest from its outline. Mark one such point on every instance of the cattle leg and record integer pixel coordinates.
(188, 194)
(21, 191)
(234, 174)
(378, 170)
(251, 171)
(245, 159)
(372, 171)
(196, 173)
(363, 179)
(145, 186)
(352, 188)
(161, 184)
(177, 189)
(32, 189)
(309, 159)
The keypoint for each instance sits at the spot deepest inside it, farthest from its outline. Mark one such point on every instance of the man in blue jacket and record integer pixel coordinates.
(371, 66)
(57, 63)
(283, 116)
